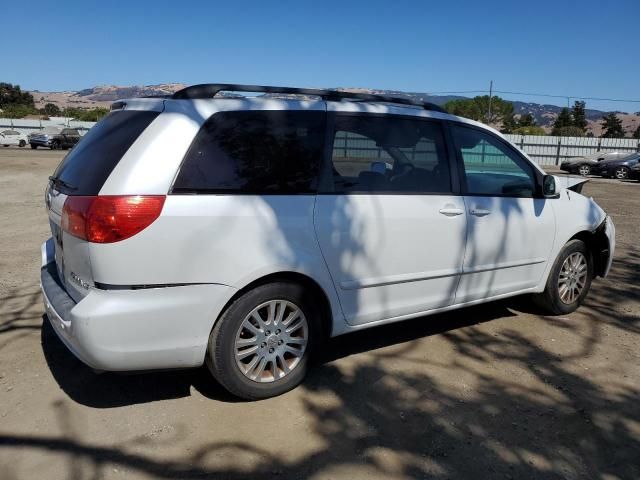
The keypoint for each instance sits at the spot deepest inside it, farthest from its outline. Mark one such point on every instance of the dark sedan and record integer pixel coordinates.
(619, 169)
(634, 172)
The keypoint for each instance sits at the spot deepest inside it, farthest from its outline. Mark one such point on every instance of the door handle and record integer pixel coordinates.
(479, 212)
(451, 212)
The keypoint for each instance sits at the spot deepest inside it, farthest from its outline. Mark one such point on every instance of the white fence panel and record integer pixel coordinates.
(545, 150)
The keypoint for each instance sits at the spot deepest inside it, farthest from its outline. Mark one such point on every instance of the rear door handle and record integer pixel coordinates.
(451, 212)
(479, 212)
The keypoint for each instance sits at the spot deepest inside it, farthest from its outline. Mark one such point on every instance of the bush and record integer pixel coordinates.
(570, 131)
(17, 111)
(530, 130)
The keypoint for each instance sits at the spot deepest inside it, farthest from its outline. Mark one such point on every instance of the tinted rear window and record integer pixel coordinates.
(92, 160)
(255, 152)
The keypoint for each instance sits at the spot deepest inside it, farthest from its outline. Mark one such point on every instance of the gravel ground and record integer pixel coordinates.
(496, 391)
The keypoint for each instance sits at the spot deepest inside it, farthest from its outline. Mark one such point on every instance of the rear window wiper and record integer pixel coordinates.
(59, 181)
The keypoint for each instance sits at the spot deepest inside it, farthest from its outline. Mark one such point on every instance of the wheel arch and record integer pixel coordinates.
(598, 244)
(314, 288)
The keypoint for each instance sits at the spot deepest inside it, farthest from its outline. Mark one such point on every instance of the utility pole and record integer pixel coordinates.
(490, 97)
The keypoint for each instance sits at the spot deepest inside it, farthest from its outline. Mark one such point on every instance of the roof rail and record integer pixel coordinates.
(209, 90)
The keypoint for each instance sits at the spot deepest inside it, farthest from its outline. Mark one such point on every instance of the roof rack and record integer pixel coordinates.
(209, 90)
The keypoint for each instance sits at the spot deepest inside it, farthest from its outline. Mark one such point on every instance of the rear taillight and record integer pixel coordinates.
(110, 218)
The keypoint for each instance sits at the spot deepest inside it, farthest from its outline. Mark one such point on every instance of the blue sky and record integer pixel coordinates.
(575, 48)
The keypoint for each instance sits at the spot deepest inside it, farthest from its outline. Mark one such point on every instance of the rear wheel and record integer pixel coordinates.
(569, 280)
(261, 345)
(33, 147)
(584, 170)
(621, 173)
(55, 145)
(22, 143)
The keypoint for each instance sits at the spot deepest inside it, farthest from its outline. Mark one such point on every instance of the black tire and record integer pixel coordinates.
(33, 147)
(221, 355)
(55, 145)
(584, 170)
(621, 173)
(22, 143)
(550, 300)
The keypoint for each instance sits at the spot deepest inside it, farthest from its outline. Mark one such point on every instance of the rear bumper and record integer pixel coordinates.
(124, 330)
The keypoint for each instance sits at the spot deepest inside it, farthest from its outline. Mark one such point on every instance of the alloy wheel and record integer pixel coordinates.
(621, 173)
(572, 278)
(584, 170)
(271, 341)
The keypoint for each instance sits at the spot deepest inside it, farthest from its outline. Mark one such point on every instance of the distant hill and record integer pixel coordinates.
(102, 96)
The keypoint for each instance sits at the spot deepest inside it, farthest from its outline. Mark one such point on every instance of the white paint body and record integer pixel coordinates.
(12, 137)
(377, 258)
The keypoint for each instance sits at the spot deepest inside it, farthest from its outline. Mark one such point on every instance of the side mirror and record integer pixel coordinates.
(549, 189)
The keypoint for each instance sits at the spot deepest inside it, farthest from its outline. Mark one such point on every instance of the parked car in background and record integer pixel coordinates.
(619, 169)
(55, 138)
(13, 137)
(634, 172)
(241, 232)
(586, 164)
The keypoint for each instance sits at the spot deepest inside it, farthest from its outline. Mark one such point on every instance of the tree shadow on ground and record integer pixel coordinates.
(391, 415)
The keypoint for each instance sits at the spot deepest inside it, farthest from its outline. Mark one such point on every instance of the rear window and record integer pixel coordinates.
(85, 169)
(255, 152)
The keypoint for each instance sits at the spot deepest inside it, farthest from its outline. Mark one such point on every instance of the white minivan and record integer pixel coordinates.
(241, 231)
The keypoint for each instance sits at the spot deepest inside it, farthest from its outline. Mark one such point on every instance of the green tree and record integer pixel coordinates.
(12, 95)
(579, 116)
(467, 108)
(51, 110)
(636, 134)
(17, 111)
(530, 130)
(477, 108)
(612, 126)
(86, 115)
(526, 120)
(563, 120)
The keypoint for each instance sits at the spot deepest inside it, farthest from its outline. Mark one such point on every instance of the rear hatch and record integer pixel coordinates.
(83, 172)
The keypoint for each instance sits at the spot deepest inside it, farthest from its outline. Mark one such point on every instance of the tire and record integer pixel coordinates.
(33, 147)
(22, 143)
(584, 170)
(234, 374)
(557, 301)
(621, 173)
(55, 145)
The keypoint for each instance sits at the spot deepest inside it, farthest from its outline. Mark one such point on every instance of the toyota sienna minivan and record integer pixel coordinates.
(239, 232)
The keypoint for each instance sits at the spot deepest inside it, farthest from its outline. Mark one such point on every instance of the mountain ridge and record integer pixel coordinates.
(104, 95)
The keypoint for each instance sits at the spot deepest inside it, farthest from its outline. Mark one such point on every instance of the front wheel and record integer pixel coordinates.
(22, 143)
(261, 345)
(621, 173)
(569, 280)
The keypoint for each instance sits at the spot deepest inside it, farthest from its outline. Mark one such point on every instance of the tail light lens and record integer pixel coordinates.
(110, 218)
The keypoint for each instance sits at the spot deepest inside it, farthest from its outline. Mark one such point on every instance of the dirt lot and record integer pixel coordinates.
(489, 392)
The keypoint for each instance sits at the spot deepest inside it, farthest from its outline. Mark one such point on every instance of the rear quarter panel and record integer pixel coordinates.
(221, 239)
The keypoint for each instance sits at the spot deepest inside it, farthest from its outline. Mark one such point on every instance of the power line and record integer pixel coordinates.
(577, 97)
(601, 99)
